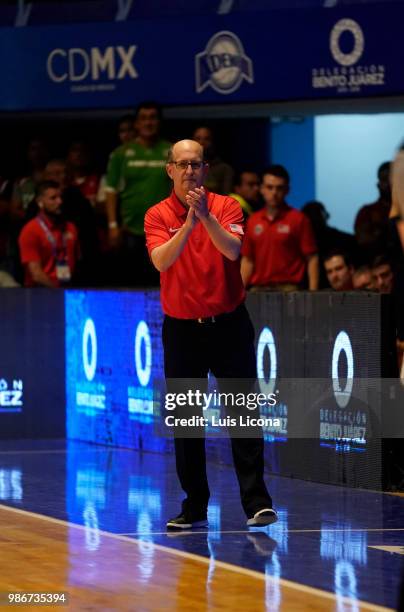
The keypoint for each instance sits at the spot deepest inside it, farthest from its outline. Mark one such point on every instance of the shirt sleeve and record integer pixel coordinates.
(29, 244)
(114, 171)
(308, 244)
(155, 229)
(233, 219)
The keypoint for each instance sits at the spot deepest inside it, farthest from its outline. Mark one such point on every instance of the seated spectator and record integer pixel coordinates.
(247, 191)
(78, 210)
(327, 238)
(362, 278)
(220, 175)
(279, 246)
(382, 274)
(48, 243)
(339, 270)
(371, 223)
(79, 173)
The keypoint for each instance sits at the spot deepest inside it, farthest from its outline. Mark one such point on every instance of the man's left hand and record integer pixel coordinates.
(197, 200)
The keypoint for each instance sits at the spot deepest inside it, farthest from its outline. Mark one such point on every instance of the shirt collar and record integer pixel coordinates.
(282, 212)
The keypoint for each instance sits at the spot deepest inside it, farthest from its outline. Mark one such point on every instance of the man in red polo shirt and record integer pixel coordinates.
(48, 244)
(194, 239)
(279, 246)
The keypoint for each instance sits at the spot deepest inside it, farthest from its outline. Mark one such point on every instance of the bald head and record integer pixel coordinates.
(182, 146)
(186, 167)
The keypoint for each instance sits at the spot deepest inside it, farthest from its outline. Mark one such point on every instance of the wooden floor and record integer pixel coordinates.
(103, 571)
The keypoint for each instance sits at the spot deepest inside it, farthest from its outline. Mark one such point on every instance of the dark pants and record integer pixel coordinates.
(226, 348)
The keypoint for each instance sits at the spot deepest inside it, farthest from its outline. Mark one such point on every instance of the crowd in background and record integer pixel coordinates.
(102, 241)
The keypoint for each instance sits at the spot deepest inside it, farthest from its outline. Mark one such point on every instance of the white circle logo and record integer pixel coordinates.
(89, 365)
(266, 341)
(143, 371)
(347, 25)
(342, 343)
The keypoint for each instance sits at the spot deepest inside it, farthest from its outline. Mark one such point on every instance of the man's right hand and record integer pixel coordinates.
(191, 220)
(114, 237)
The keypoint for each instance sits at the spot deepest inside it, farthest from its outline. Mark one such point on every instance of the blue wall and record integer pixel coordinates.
(292, 145)
(348, 151)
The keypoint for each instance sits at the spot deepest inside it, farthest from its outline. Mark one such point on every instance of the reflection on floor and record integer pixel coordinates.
(329, 538)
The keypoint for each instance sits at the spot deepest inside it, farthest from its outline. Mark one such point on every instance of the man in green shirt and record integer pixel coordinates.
(136, 178)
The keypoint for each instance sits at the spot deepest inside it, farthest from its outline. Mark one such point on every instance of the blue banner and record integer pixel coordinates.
(212, 59)
(114, 356)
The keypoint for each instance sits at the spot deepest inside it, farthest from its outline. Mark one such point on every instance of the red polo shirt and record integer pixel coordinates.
(278, 247)
(201, 282)
(35, 246)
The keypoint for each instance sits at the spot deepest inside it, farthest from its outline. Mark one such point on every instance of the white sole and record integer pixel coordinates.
(187, 525)
(262, 521)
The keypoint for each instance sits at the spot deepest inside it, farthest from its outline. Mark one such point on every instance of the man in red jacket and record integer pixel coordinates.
(194, 240)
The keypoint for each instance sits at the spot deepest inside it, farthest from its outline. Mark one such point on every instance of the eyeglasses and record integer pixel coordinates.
(183, 164)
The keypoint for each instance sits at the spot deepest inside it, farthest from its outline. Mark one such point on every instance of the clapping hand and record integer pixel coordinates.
(197, 201)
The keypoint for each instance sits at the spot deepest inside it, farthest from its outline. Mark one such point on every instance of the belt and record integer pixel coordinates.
(218, 317)
(207, 319)
(210, 320)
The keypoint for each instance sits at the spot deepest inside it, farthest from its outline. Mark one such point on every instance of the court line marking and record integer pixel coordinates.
(213, 531)
(207, 561)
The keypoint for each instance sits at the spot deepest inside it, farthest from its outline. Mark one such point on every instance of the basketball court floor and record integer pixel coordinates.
(89, 522)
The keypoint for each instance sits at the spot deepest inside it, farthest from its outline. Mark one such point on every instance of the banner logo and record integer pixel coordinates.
(143, 370)
(223, 65)
(347, 25)
(346, 75)
(89, 336)
(95, 69)
(11, 395)
(267, 341)
(342, 344)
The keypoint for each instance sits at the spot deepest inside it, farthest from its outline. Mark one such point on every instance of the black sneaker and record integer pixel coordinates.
(263, 517)
(185, 521)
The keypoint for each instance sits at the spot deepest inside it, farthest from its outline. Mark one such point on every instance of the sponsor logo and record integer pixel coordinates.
(93, 69)
(90, 395)
(223, 65)
(342, 344)
(140, 398)
(283, 229)
(266, 341)
(11, 395)
(89, 338)
(347, 45)
(342, 26)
